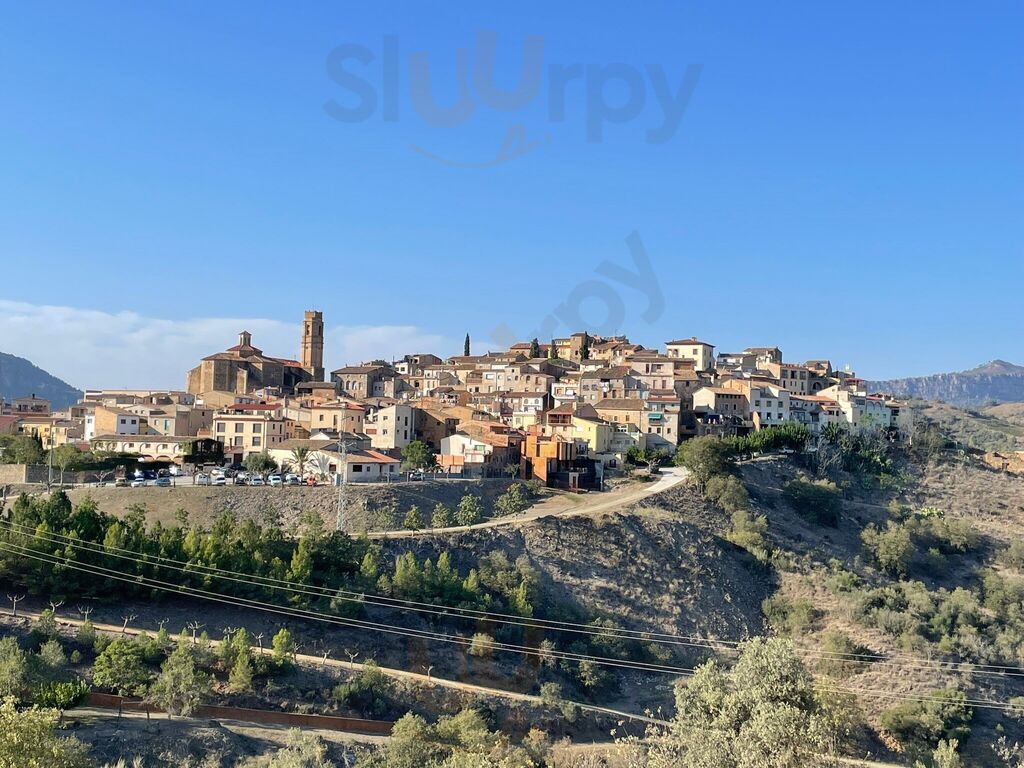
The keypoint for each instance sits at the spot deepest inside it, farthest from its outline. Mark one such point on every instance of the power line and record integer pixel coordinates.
(501, 618)
(426, 635)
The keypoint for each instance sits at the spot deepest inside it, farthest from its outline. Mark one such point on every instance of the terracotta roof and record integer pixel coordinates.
(611, 372)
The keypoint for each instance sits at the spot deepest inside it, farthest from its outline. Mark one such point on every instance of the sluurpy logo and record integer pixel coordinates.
(614, 93)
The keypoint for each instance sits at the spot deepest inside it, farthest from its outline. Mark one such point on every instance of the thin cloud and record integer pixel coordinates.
(93, 349)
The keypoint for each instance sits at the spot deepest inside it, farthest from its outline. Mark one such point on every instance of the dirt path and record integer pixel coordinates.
(589, 504)
(399, 674)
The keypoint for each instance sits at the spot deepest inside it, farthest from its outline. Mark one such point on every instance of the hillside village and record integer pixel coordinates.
(562, 412)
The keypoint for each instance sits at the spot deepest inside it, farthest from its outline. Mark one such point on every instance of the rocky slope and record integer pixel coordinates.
(998, 381)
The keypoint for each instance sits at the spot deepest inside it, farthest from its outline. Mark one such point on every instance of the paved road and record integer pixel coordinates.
(589, 504)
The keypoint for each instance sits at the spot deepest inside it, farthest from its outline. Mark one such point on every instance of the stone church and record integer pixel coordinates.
(244, 368)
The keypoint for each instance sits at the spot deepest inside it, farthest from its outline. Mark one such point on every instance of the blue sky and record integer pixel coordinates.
(845, 182)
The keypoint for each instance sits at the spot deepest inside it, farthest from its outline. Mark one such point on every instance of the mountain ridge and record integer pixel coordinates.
(20, 377)
(995, 381)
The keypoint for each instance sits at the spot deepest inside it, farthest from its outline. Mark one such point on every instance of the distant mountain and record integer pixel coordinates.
(20, 378)
(997, 381)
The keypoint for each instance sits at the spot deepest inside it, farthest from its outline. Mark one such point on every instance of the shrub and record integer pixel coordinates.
(413, 519)
(728, 492)
(482, 645)
(748, 532)
(1013, 555)
(788, 617)
(839, 654)
(891, 549)
(920, 725)
(86, 634)
(61, 694)
(368, 692)
(819, 502)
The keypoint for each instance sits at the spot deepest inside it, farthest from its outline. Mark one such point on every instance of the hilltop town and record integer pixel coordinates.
(563, 412)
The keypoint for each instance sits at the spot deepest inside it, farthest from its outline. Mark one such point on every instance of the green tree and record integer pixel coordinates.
(21, 449)
(121, 668)
(240, 679)
(762, 712)
(259, 463)
(283, 647)
(413, 519)
(534, 349)
(13, 668)
(443, 517)
(181, 686)
(29, 739)
(465, 346)
(552, 351)
(512, 502)
(417, 455)
(469, 511)
(705, 457)
(64, 456)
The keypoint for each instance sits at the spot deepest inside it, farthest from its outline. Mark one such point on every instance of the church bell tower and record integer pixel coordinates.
(313, 344)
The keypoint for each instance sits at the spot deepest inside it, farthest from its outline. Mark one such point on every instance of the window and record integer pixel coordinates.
(239, 427)
(257, 442)
(357, 467)
(123, 421)
(257, 428)
(238, 442)
(220, 426)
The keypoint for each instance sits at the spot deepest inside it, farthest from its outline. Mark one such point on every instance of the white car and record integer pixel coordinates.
(255, 480)
(138, 482)
(275, 481)
(218, 480)
(292, 479)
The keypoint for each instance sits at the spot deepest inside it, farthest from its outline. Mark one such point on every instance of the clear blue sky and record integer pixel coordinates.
(845, 182)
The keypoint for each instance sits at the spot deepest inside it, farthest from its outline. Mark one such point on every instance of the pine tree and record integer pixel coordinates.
(552, 351)
(240, 680)
(181, 686)
(283, 647)
(534, 349)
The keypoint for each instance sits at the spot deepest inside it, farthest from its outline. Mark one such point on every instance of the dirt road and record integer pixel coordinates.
(579, 506)
(399, 674)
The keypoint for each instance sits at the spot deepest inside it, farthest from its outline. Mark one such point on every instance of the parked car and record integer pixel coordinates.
(291, 479)
(162, 482)
(202, 479)
(240, 478)
(121, 482)
(275, 480)
(417, 474)
(138, 482)
(219, 480)
(255, 480)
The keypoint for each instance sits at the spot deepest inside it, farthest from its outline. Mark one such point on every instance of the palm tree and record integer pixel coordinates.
(301, 455)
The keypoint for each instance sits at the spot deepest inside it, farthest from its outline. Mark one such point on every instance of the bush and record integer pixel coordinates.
(788, 617)
(1013, 555)
(61, 694)
(86, 634)
(748, 532)
(891, 549)
(839, 654)
(819, 502)
(368, 692)
(413, 519)
(482, 645)
(120, 668)
(728, 492)
(920, 725)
